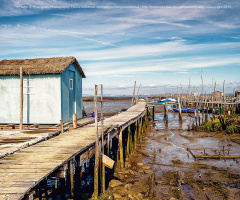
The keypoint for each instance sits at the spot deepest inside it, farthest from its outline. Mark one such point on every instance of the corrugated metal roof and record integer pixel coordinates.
(55, 65)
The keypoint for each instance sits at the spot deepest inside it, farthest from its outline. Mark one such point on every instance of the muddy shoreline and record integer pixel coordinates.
(164, 168)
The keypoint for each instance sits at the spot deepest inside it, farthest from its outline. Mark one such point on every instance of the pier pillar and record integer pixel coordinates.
(199, 118)
(135, 135)
(180, 111)
(195, 114)
(166, 113)
(108, 144)
(206, 116)
(128, 142)
(79, 169)
(153, 113)
(121, 148)
(140, 130)
(71, 173)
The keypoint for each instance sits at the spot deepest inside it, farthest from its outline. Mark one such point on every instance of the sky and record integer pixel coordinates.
(163, 45)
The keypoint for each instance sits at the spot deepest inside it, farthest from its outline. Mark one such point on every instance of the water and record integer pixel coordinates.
(109, 107)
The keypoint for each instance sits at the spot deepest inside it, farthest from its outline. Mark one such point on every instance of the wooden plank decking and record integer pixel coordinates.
(24, 169)
(14, 140)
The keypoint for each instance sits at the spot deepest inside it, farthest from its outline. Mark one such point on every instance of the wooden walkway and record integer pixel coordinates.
(23, 170)
(13, 140)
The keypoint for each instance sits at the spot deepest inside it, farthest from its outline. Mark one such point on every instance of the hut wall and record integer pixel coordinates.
(71, 93)
(42, 99)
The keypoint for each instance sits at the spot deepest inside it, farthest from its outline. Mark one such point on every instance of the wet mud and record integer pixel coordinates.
(164, 167)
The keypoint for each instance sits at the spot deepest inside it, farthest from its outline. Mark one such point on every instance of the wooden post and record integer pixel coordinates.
(206, 119)
(61, 122)
(80, 169)
(103, 167)
(56, 184)
(135, 135)
(195, 114)
(74, 120)
(139, 129)
(71, 172)
(153, 113)
(108, 144)
(21, 99)
(180, 110)
(96, 147)
(133, 93)
(128, 143)
(121, 149)
(166, 111)
(213, 113)
(199, 118)
(141, 132)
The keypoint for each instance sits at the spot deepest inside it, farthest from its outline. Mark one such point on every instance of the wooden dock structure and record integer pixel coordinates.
(22, 172)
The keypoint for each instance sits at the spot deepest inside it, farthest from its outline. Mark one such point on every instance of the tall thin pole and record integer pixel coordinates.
(96, 147)
(21, 98)
(103, 167)
(215, 86)
(223, 91)
(133, 93)
(189, 87)
(138, 91)
(202, 81)
(212, 85)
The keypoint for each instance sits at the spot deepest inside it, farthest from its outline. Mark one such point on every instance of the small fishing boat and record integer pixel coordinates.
(93, 115)
(164, 101)
(202, 108)
(185, 110)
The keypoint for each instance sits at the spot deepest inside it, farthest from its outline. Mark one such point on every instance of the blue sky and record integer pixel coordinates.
(160, 44)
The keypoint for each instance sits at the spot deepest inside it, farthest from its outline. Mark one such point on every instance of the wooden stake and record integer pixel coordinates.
(153, 113)
(199, 118)
(21, 99)
(121, 149)
(103, 167)
(137, 93)
(74, 120)
(61, 122)
(96, 147)
(128, 143)
(180, 111)
(140, 130)
(133, 94)
(213, 113)
(71, 170)
(135, 135)
(195, 114)
(108, 144)
(166, 111)
(56, 184)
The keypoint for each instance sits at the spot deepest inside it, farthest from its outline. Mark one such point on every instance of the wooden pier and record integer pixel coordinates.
(22, 172)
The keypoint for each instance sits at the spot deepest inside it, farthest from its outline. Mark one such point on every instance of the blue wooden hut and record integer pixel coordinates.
(52, 90)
